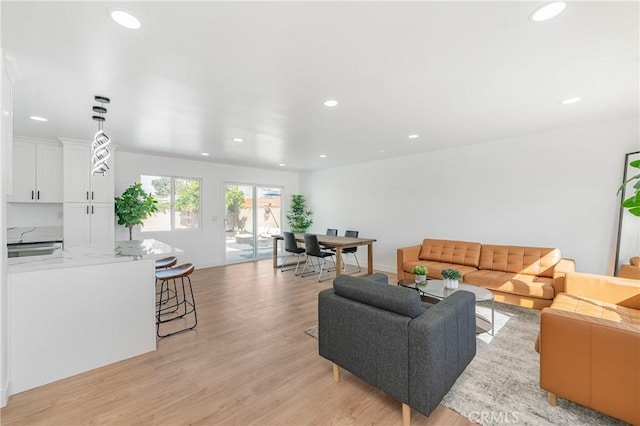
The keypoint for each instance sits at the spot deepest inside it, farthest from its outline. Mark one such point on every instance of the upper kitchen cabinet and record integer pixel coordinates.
(80, 186)
(37, 172)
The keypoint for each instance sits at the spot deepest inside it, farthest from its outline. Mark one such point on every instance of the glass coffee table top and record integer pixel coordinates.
(436, 289)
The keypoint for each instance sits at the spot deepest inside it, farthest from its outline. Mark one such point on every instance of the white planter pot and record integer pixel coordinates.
(450, 284)
(420, 278)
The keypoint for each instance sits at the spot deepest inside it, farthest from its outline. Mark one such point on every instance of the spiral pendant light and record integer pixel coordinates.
(100, 140)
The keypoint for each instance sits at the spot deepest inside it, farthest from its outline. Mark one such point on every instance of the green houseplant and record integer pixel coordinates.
(632, 203)
(299, 217)
(134, 206)
(451, 277)
(420, 273)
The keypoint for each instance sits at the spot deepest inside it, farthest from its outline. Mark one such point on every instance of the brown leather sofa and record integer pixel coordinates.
(589, 345)
(524, 276)
(632, 270)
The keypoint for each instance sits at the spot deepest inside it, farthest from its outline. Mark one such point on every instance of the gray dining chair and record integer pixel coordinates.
(312, 248)
(291, 247)
(332, 233)
(350, 250)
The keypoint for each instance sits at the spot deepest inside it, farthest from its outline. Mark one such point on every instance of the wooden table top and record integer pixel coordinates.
(335, 241)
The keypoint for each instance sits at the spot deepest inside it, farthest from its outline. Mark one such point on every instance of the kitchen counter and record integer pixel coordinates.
(76, 255)
(80, 310)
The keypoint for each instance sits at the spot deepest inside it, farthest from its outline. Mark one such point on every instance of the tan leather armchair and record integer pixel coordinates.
(632, 270)
(589, 345)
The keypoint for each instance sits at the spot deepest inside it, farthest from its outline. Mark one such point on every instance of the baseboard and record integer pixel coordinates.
(4, 394)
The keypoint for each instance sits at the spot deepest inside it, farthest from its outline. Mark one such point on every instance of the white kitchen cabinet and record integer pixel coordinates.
(79, 184)
(37, 172)
(88, 223)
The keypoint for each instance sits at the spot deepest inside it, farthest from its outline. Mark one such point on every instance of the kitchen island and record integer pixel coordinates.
(79, 310)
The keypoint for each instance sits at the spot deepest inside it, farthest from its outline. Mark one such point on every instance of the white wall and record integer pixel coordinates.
(34, 214)
(204, 247)
(554, 189)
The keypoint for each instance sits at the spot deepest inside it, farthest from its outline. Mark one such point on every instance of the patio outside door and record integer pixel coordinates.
(252, 215)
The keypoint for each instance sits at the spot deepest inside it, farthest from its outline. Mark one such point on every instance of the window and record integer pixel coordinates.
(178, 202)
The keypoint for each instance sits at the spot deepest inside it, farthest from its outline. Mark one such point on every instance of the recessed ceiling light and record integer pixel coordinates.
(330, 103)
(413, 136)
(125, 19)
(204, 154)
(323, 155)
(237, 140)
(570, 101)
(383, 151)
(36, 118)
(281, 164)
(547, 11)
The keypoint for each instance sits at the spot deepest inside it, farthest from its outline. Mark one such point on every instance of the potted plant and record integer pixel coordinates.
(420, 273)
(633, 202)
(299, 217)
(451, 277)
(134, 206)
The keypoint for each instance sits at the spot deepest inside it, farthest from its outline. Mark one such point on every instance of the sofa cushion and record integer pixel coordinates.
(448, 251)
(435, 268)
(508, 282)
(596, 308)
(401, 300)
(522, 260)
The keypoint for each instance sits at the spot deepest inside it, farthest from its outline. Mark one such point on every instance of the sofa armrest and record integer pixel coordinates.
(591, 361)
(621, 291)
(559, 271)
(442, 342)
(407, 254)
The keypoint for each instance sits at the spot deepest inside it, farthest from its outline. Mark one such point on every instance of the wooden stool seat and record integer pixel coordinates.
(167, 262)
(175, 304)
(175, 272)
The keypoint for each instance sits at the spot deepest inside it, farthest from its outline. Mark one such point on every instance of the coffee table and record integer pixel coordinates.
(435, 289)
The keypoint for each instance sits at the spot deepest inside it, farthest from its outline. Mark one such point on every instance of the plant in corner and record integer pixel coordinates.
(632, 203)
(451, 277)
(134, 206)
(420, 273)
(299, 217)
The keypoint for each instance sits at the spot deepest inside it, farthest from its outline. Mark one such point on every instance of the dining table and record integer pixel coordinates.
(331, 241)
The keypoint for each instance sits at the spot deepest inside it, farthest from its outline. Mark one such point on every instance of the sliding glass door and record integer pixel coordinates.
(252, 216)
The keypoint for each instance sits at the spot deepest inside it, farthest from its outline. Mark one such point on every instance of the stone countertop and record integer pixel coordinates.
(77, 255)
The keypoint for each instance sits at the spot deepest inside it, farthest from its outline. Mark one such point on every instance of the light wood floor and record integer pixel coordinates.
(247, 363)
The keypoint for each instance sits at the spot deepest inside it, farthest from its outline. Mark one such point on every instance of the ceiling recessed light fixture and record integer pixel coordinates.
(281, 164)
(570, 101)
(36, 118)
(237, 140)
(204, 154)
(125, 19)
(331, 103)
(547, 11)
(414, 136)
(323, 155)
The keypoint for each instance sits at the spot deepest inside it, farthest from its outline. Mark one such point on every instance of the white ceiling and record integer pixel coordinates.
(198, 74)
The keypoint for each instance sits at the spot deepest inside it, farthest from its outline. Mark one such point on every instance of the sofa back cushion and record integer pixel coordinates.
(401, 300)
(460, 252)
(536, 261)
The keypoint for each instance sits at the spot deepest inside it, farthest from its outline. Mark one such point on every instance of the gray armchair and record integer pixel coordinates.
(386, 336)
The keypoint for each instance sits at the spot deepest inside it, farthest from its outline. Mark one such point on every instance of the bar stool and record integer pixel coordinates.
(165, 263)
(184, 305)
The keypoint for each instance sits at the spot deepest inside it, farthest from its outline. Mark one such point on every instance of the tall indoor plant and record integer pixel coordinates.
(299, 217)
(134, 206)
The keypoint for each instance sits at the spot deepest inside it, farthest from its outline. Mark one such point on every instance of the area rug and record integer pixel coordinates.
(501, 384)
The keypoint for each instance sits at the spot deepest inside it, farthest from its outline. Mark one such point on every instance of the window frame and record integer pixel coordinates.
(172, 201)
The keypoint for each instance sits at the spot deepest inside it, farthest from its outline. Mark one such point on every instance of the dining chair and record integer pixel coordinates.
(350, 250)
(312, 247)
(332, 233)
(291, 247)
